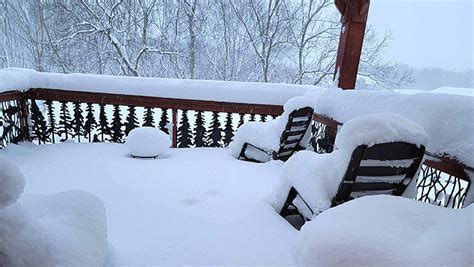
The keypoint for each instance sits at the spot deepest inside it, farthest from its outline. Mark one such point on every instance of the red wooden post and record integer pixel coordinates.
(354, 18)
(174, 115)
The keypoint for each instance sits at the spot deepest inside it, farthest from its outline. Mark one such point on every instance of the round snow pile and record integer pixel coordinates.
(12, 183)
(147, 142)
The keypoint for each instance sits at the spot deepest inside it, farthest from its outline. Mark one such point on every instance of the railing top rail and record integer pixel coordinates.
(150, 101)
(11, 95)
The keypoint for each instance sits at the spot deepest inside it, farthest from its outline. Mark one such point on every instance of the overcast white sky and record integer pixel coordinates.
(427, 33)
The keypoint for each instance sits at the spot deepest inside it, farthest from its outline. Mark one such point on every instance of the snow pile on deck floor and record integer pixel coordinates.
(448, 119)
(316, 177)
(190, 206)
(15, 79)
(266, 135)
(147, 142)
(63, 229)
(387, 231)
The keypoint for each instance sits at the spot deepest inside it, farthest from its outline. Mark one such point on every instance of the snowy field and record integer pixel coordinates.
(190, 206)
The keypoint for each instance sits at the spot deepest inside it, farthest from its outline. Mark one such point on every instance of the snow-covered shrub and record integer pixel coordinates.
(266, 135)
(147, 142)
(317, 176)
(387, 231)
(12, 183)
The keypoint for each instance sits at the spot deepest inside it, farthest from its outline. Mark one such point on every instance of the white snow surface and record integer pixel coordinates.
(147, 142)
(448, 119)
(15, 79)
(454, 91)
(73, 224)
(387, 231)
(317, 176)
(12, 183)
(191, 206)
(377, 128)
(266, 135)
(62, 229)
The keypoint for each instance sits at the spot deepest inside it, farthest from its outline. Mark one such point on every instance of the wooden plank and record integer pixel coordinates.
(155, 102)
(448, 166)
(331, 123)
(11, 95)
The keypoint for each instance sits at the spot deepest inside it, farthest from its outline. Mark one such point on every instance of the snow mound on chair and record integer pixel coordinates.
(266, 135)
(317, 176)
(380, 128)
(387, 231)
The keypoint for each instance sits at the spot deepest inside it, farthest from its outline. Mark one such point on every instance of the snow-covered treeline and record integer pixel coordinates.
(251, 40)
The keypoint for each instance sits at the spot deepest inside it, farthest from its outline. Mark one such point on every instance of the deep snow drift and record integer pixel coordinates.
(62, 229)
(189, 206)
(387, 231)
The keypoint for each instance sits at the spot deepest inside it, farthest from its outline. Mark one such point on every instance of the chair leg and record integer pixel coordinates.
(289, 202)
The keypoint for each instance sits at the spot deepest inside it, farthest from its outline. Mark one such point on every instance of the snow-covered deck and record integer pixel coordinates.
(191, 206)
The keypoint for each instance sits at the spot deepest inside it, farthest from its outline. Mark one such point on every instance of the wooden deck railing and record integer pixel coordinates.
(50, 116)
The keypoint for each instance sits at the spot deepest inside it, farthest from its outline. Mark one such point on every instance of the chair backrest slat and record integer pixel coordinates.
(381, 171)
(298, 122)
(385, 168)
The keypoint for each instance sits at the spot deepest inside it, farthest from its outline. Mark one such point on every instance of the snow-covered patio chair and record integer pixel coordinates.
(277, 139)
(376, 154)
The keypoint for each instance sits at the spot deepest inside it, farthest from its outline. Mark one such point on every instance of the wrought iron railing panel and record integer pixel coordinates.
(440, 188)
(13, 128)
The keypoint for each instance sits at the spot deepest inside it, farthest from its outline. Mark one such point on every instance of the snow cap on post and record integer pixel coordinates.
(12, 183)
(380, 128)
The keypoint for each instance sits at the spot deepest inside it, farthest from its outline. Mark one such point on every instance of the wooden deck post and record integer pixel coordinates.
(354, 18)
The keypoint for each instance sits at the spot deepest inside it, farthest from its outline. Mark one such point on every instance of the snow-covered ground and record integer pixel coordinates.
(190, 206)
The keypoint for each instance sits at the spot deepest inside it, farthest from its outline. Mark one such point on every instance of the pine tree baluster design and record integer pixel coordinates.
(263, 118)
(164, 121)
(274, 116)
(241, 119)
(51, 119)
(228, 130)
(90, 122)
(200, 130)
(148, 117)
(252, 117)
(131, 121)
(78, 121)
(104, 129)
(64, 123)
(40, 127)
(116, 133)
(214, 134)
(184, 131)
